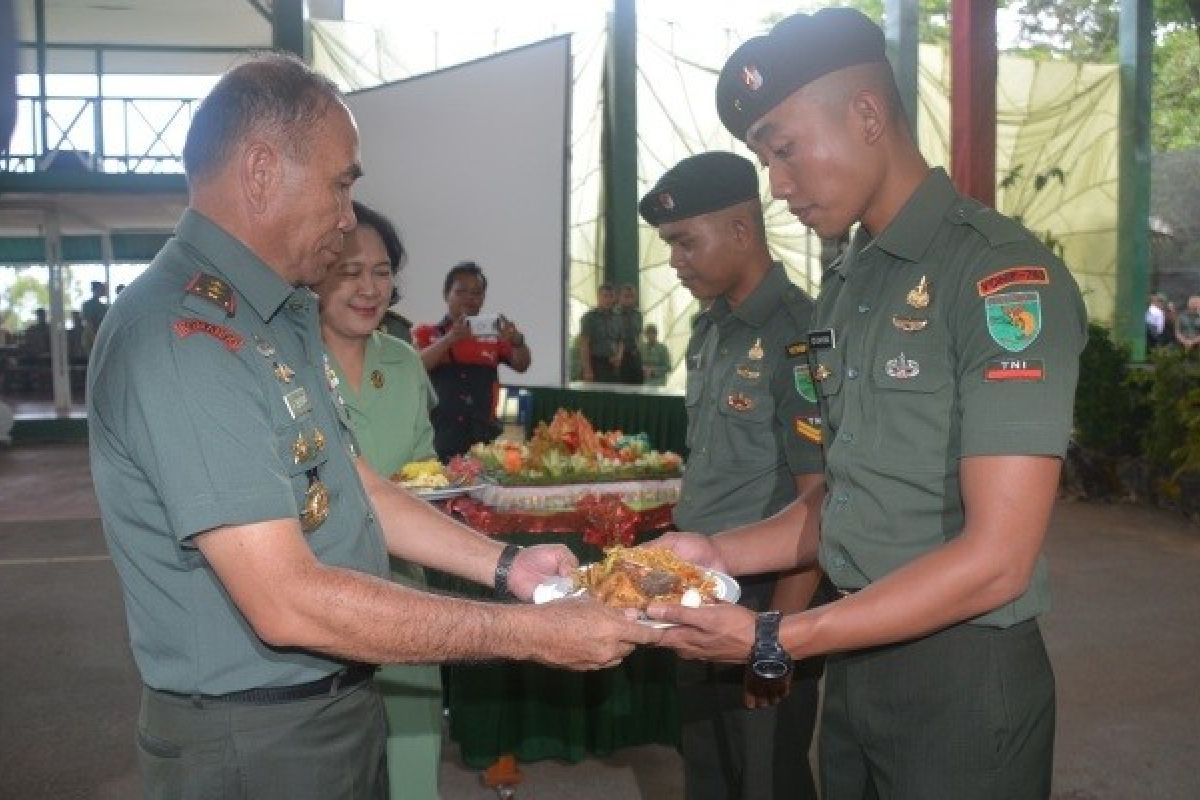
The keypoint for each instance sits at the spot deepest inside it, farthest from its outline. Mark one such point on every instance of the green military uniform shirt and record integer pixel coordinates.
(954, 333)
(210, 404)
(657, 359)
(603, 330)
(753, 420)
(389, 412)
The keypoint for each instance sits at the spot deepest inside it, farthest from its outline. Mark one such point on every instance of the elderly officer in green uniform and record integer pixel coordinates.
(753, 437)
(250, 540)
(945, 343)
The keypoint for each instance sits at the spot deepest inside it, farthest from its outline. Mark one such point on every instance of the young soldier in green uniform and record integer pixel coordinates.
(753, 438)
(250, 539)
(945, 344)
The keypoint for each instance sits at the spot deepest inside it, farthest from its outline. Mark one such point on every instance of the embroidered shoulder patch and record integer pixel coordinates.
(1011, 277)
(1014, 320)
(214, 290)
(186, 327)
(809, 429)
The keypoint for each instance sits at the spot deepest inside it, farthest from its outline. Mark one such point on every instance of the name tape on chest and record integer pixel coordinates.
(191, 325)
(823, 339)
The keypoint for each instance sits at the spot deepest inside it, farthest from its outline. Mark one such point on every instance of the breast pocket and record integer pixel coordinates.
(747, 416)
(827, 372)
(303, 450)
(914, 389)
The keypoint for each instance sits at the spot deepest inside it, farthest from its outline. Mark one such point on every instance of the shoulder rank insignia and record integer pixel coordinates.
(214, 290)
(1009, 277)
(186, 327)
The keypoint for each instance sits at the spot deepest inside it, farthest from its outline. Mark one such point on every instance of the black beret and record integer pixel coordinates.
(700, 184)
(799, 49)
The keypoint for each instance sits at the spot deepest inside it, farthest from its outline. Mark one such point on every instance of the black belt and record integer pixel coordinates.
(329, 685)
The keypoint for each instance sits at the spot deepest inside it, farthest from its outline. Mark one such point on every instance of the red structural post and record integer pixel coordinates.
(973, 98)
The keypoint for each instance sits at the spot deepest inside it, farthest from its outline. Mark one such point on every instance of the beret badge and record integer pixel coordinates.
(666, 201)
(752, 77)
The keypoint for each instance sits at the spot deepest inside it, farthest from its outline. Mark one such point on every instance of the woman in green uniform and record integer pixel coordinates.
(388, 397)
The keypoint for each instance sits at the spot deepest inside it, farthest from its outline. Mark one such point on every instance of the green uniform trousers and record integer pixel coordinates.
(734, 753)
(324, 748)
(963, 714)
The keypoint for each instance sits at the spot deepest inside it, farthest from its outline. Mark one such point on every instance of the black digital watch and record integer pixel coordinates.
(768, 659)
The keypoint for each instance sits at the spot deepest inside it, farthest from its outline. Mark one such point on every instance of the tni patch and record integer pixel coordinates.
(1013, 369)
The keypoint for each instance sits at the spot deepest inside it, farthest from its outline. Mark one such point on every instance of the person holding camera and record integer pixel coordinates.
(462, 355)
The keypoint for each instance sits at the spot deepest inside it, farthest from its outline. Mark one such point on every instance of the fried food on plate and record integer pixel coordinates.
(634, 577)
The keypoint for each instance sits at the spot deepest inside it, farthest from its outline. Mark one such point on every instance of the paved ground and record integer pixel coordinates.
(1122, 635)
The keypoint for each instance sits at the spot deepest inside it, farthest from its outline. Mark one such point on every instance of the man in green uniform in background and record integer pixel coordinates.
(600, 338)
(945, 345)
(250, 539)
(753, 441)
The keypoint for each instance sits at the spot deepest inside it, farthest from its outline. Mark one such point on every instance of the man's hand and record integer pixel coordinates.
(535, 565)
(693, 547)
(582, 634)
(510, 333)
(760, 693)
(722, 632)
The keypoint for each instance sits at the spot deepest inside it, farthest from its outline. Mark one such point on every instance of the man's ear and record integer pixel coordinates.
(739, 230)
(871, 114)
(259, 174)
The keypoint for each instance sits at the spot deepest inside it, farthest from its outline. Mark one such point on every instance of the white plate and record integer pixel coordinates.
(727, 589)
(444, 493)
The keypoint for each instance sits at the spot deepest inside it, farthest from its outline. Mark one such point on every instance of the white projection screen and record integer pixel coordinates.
(470, 163)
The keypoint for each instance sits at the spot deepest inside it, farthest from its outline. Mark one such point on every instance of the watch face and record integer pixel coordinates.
(771, 668)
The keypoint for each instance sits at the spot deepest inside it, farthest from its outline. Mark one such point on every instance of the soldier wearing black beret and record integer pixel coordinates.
(753, 441)
(944, 347)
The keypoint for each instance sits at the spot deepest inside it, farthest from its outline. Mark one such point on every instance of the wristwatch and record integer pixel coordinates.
(768, 659)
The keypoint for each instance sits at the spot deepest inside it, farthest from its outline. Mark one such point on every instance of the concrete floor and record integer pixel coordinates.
(1122, 636)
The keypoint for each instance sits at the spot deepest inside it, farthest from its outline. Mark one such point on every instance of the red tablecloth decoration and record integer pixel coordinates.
(602, 519)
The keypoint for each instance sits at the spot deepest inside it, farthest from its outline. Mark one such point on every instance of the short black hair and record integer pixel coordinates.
(605, 287)
(462, 269)
(387, 232)
(274, 91)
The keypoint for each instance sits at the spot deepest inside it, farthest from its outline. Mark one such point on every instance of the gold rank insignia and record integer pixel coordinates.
(283, 373)
(822, 372)
(316, 506)
(214, 290)
(377, 379)
(756, 351)
(747, 373)
(740, 402)
(318, 439)
(918, 297)
(909, 324)
(301, 449)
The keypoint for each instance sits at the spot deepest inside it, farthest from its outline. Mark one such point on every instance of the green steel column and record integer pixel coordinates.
(289, 28)
(1133, 192)
(903, 33)
(620, 146)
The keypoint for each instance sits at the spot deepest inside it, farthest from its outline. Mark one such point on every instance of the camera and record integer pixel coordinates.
(484, 325)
